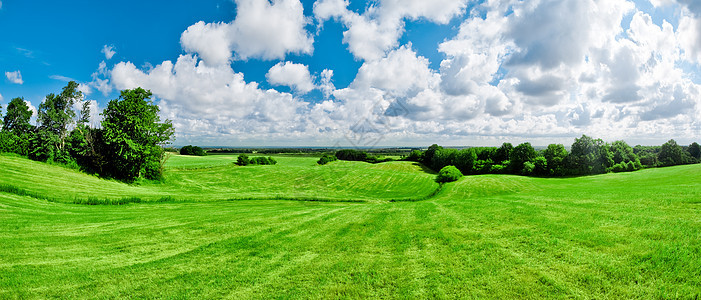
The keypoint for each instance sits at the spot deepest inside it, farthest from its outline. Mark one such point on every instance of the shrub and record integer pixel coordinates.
(262, 160)
(618, 168)
(243, 160)
(415, 155)
(326, 159)
(448, 174)
(528, 168)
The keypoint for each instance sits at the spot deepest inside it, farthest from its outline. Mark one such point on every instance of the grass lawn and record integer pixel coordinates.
(626, 235)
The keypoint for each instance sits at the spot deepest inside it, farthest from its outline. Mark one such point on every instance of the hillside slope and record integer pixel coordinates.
(191, 178)
(634, 235)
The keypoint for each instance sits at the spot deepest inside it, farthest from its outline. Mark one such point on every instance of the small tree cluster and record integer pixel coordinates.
(192, 150)
(127, 146)
(327, 158)
(244, 160)
(357, 155)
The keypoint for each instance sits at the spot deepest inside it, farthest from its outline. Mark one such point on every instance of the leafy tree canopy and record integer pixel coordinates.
(17, 118)
(133, 131)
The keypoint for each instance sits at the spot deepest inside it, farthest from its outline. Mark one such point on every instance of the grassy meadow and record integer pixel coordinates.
(227, 232)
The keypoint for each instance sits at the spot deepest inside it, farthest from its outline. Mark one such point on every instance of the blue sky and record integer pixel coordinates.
(371, 73)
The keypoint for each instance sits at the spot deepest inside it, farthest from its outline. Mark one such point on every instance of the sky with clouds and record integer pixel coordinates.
(372, 73)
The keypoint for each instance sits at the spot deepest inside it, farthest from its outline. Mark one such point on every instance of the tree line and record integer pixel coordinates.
(587, 156)
(127, 145)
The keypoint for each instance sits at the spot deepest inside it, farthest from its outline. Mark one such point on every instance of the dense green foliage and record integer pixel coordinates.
(588, 156)
(133, 134)
(17, 117)
(244, 160)
(448, 174)
(192, 150)
(126, 147)
(326, 158)
(351, 155)
(357, 155)
(262, 160)
(613, 236)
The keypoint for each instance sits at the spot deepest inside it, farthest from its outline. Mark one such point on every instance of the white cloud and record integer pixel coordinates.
(214, 101)
(261, 29)
(211, 41)
(689, 35)
(326, 85)
(371, 34)
(401, 73)
(1, 98)
(541, 71)
(32, 108)
(0, 4)
(99, 81)
(295, 76)
(109, 52)
(14, 77)
(61, 78)
(94, 117)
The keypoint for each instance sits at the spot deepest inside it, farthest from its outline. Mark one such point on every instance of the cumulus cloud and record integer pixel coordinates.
(14, 77)
(401, 73)
(326, 85)
(261, 29)
(213, 100)
(689, 34)
(371, 34)
(109, 52)
(539, 71)
(295, 76)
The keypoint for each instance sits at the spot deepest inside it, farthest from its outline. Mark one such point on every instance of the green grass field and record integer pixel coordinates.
(625, 235)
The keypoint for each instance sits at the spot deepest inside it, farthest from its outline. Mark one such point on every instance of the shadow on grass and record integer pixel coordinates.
(424, 168)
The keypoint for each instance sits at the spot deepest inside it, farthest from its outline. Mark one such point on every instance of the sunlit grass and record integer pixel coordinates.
(626, 235)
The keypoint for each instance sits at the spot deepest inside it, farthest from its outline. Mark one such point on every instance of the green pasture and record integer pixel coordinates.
(207, 178)
(613, 236)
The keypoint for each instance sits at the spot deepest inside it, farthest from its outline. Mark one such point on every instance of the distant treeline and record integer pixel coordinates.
(586, 156)
(126, 146)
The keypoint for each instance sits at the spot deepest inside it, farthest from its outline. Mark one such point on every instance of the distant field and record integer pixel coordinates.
(206, 178)
(625, 235)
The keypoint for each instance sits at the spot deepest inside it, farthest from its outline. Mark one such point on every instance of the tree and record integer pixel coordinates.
(448, 174)
(17, 118)
(695, 150)
(556, 156)
(589, 156)
(429, 155)
(540, 166)
(503, 153)
(326, 158)
(415, 155)
(465, 160)
(133, 133)
(522, 154)
(671, 154)
(352, 155)
(192, 150)
(56, 113)
(243, 160)
(16, 129)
